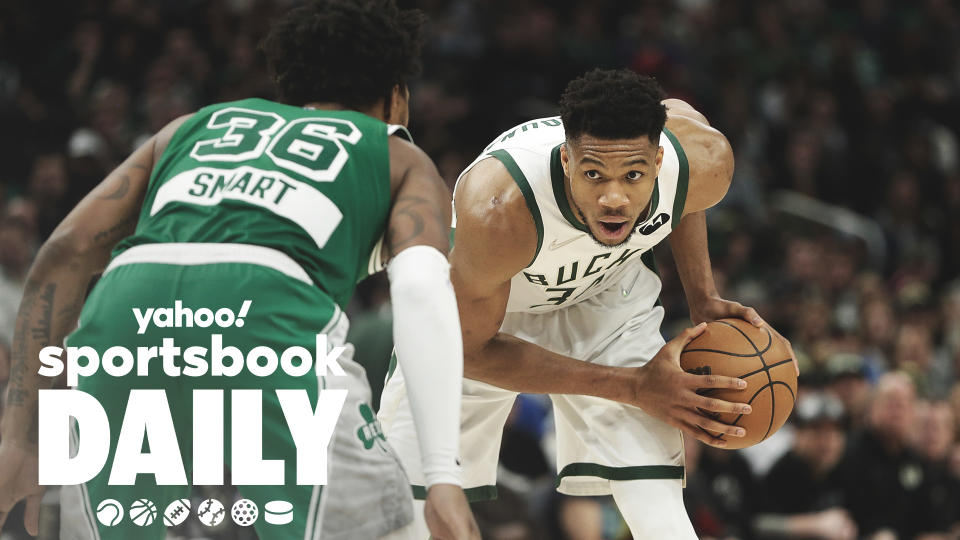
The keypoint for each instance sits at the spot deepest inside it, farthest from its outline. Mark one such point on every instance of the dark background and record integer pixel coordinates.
(842, 226)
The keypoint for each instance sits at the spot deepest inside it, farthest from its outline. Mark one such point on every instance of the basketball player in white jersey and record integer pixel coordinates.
(558, 294)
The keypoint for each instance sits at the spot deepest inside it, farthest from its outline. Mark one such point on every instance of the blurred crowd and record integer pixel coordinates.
(842, 226)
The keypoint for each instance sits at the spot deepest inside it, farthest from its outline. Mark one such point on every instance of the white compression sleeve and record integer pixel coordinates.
(426, 334)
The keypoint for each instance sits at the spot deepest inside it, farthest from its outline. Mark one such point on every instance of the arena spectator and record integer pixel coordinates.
(887, 483)
(804, 494)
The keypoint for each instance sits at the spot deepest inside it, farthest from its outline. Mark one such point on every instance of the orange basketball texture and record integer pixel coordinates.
(736, 348)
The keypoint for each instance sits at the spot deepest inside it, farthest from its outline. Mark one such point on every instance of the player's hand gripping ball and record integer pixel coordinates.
(736, 348)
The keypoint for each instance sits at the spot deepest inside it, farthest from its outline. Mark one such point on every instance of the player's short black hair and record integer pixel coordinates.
(613, 104)
(350, 52)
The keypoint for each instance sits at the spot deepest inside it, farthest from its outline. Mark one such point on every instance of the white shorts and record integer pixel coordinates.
(598, 440)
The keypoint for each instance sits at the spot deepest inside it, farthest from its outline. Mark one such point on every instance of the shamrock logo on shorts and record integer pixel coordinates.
(370, 432)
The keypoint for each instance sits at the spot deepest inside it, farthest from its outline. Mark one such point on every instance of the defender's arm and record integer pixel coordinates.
(426, 331)
(53, 295)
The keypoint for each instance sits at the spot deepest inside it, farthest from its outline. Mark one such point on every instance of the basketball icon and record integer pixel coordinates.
(109, 512)
(736, 348)
(245, 512)
(143, 512)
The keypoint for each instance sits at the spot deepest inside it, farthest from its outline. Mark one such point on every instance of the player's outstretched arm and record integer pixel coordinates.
(711, 171)
(495, 239)
(426, 331)
(53, 295)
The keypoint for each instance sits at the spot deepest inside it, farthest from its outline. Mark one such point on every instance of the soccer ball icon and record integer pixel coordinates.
(244, 512)
(143, 512)
(211, 512)
(109, 512)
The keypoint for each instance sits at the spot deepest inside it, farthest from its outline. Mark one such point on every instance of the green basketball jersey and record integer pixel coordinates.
(313, 184)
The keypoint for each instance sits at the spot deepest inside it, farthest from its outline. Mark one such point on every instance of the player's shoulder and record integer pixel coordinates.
(493, 216)
(410, 166)
(700, 141)
(710, 159)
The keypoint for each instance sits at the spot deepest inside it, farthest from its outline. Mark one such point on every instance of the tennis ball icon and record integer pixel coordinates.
(109, 512)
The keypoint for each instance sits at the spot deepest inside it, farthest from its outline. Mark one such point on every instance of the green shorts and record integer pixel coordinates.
(367, 493)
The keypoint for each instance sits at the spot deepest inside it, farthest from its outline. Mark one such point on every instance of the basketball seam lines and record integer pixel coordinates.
(766, 369)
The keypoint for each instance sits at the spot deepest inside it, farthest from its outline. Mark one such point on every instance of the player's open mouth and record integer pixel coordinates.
(613, 229)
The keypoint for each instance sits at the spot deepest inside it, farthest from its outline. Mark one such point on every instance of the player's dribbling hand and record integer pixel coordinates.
(714, 307)
(665, 391)
(448, 514)
(18, 480)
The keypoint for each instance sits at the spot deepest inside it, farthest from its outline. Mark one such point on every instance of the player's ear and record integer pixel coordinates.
(659, 158)
(398, 107)
(565, 158)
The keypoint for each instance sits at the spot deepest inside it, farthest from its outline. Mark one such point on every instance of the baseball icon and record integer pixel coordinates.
(210, 512)
(278, 512)
(109, 512)
(244, 512)
(143, 512)
(176, 512)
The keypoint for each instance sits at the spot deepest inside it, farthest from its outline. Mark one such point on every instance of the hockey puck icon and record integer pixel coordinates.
(278, 512)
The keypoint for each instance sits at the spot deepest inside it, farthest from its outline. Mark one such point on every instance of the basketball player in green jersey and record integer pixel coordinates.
(558, 294)
(287, 205)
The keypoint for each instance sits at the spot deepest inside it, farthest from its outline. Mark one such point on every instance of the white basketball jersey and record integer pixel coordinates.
(569, 266)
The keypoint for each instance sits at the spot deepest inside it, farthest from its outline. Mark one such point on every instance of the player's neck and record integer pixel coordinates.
(373, 111)
(570, 202)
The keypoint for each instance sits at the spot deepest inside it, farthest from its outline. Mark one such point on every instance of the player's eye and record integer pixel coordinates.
(634, 175)
(592, 174)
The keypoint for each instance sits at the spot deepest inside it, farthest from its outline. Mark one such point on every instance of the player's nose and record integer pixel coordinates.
(613, 196)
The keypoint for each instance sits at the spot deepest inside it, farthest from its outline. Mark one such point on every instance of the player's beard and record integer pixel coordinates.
(633, 229)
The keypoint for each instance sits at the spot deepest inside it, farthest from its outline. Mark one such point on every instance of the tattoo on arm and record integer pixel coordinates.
(114, 233)
(124, 186)
(35, 297)
(415, 209)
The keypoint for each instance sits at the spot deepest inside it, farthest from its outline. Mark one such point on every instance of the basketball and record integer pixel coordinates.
(736, 348)
(143, 512)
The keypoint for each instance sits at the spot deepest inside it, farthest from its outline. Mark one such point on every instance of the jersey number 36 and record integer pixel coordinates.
(309, 147)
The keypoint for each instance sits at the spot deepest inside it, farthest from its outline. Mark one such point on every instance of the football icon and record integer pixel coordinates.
(176, 512)
(210, 512)
(278, 512)
(109, 512)
(244, 512)
(143, 512)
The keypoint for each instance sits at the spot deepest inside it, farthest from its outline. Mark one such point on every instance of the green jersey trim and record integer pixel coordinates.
(651, 262)
(640, 472)
(557, 178)
(683, 178)
(527, 191)
(474, 494)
